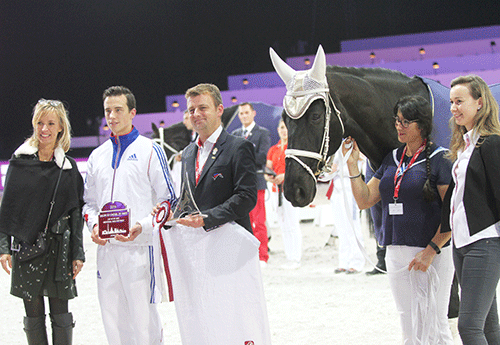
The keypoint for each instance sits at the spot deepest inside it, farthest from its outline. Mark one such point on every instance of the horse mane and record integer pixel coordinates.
(364, 72)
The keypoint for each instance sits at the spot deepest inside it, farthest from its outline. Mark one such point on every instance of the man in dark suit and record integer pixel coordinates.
(261, 140)
(213, 257)
(220, 166)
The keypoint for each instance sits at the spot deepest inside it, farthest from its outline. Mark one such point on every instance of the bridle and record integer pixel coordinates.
(322, 156)
(161, 141)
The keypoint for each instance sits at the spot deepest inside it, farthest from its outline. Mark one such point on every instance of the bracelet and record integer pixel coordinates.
(356, 176)
(435, 247)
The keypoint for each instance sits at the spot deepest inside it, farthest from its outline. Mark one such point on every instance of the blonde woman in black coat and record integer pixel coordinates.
(31, 181)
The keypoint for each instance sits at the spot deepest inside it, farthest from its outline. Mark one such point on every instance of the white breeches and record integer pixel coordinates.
(350, 255)
(125, 285)
(288, 221)
(415, 330)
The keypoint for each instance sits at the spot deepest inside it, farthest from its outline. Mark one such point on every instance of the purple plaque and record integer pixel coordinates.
(114, 219)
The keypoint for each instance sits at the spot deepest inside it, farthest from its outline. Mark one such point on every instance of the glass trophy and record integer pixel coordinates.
(114, 219)
(186, 205)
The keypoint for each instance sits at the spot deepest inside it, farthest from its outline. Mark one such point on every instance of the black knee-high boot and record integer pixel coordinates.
(62, 328)
(35, 329)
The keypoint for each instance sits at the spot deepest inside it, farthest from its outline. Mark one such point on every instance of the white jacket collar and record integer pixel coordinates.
(27, 149)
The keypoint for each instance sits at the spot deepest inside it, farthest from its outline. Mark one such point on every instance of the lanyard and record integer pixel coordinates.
(198, 168)
(397, 179)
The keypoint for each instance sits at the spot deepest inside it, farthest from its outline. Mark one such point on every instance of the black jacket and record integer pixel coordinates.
(227, 188)
(482, 187)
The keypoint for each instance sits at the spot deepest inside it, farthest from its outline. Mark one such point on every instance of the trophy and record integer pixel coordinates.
(186, 205)
(114, 219)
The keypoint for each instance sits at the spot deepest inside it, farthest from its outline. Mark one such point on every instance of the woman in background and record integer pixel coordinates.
(287, 214)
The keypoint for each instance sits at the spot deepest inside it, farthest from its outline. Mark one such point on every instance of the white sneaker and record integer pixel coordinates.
(263, 264)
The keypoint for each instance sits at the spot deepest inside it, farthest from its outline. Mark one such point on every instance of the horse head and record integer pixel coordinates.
(172, 139)
(310, 122)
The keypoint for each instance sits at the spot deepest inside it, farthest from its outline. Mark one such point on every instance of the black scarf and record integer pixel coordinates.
(29, 188)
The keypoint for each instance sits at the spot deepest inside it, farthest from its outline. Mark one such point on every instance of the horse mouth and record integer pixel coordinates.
(300, 191)
(300, 197)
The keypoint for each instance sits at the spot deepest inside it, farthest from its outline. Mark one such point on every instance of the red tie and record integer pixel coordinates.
(330, 190)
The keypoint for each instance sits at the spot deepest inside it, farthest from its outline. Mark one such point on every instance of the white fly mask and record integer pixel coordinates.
(303, 88)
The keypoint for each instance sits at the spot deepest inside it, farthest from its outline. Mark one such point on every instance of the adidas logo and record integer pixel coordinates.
(132, 157)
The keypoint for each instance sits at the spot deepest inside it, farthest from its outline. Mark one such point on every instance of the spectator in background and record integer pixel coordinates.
(177, 166)
(261, 140)
(346, 215)
(287, 214)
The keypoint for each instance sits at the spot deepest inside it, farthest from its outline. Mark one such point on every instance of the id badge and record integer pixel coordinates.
(114, 219)
(395, 209)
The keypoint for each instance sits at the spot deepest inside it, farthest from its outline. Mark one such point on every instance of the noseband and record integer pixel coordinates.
(320, 156)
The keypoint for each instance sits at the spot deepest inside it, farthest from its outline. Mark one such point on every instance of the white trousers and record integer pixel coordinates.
(350, 255)
(398, 257)
(288, 221)
(124, 286)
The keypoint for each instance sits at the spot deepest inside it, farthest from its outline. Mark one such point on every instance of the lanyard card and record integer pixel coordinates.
(114, 219)
(396, 209)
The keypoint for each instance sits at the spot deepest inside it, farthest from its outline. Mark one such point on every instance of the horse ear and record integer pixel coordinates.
(284, 71)
(155, 130)
(318, 70)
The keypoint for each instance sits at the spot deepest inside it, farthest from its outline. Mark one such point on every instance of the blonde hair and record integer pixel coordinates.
(486, 119)
(47, 106)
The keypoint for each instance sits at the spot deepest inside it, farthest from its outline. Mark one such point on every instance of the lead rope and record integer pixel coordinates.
(351, 222)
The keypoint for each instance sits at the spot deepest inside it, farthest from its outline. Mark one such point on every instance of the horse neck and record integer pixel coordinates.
(366, 99)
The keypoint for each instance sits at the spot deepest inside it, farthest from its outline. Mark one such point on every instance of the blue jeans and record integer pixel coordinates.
(478, 270)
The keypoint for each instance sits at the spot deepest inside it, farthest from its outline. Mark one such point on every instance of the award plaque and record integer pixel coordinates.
(114, 219)
(186, 205)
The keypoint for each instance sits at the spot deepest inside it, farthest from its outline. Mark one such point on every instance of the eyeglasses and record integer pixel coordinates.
(404, 122)
(52, 103)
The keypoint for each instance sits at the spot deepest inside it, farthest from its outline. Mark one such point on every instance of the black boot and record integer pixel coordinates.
(35, 329)
(62, 328)
(380, 263)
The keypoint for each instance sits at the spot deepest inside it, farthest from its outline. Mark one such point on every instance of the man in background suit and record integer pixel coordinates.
(261, 140)
(213, 256)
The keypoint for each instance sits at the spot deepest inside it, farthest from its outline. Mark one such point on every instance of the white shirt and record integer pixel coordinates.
(248, 129)
(458, 217)
(205, 149)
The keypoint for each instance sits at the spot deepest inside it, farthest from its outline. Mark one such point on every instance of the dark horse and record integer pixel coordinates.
(361, 102)
(176, 137)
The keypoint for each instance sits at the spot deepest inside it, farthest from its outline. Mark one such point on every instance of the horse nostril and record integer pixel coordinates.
(300, 194)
